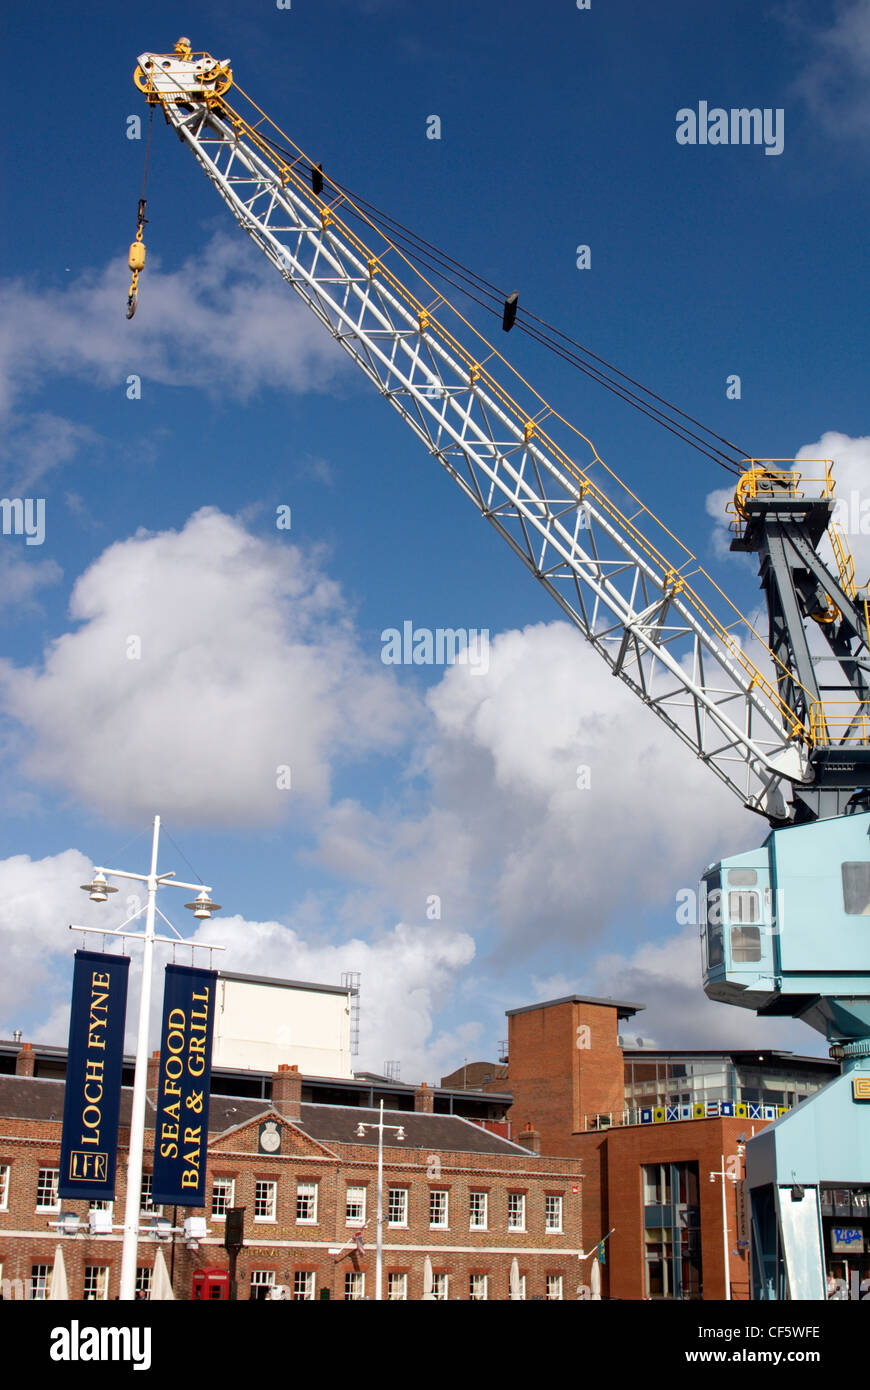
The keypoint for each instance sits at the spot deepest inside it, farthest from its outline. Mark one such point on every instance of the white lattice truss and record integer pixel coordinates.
(636, 611)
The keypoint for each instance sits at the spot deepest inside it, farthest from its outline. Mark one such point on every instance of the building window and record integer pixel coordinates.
(223, 1196)
(397, 1287)
(516, 1211)
(438, 1208)
(100, 1204)
(96, 1282)
(439, 1287)
(522, 1287)
(46, 1190)
(477, 1211)
(355, 1206)
(354, 1285)
(554, 1286)
(4, 1186)
(303, 1285)
(262, 1283)
(143, 1282)
(146, 1204)
(477, 1287)
(553, 1213)
(265, 1200)
(672, 1230)
(306, 1203)
(40, 1279)
(397, 1207)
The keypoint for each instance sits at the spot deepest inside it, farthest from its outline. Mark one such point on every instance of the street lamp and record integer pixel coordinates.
(202, 907)
(722, 1174)
(379, 1241)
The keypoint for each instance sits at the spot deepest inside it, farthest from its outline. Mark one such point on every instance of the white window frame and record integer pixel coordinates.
(307, 1190)
(38, 1285)
(478, 1292)
(144, 1276)
(554, 1283)
(228, 1190)
(5, 1183)
(397, 1287)
(481, 1210)
(443, 1225)
(354, 1279)
(50, 1206)
(101, 1292)
(271, 1200)
(441, 1287)
(262, 1279)
(553, 1214)
(146, 1198)
(303, 1285)
(359, 1201)
(512, 1223)
(402, 1192)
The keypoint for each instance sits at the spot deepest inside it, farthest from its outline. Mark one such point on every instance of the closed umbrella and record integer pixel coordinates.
(161, 1286)
(595, 1279)
(428, 1281)
(59, 1289)
(516, 1283)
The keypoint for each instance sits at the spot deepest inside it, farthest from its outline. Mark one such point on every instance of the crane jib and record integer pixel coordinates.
(647, 617)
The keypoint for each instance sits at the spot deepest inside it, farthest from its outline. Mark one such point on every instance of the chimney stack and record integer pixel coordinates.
(287, 1092)
(152, 1077)
(424, 1099)
(25, 1062)
(530, 1138)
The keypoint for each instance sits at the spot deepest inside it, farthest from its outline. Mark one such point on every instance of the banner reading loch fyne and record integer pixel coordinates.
(181, 1125)
(92, 1096)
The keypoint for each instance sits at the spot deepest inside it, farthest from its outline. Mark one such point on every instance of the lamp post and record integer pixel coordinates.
(722, 1175)
(379, 1239)
(202, 907)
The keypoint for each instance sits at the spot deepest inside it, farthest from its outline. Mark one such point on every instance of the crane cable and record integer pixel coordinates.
(425, 252)
(136, 257)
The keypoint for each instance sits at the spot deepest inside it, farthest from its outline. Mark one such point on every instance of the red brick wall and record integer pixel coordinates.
(284, 1245)
(613, 1191)
(565, 1063)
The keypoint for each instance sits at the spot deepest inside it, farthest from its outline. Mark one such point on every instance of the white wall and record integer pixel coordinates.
(259, 1026)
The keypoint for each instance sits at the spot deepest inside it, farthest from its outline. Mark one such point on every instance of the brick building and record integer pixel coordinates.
(469, 1199)
(648, 1129)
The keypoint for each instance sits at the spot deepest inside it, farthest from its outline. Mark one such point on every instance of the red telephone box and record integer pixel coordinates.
(211, 1283)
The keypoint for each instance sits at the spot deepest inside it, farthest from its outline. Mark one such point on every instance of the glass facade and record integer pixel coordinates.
(672, 1231)
(681, 1079)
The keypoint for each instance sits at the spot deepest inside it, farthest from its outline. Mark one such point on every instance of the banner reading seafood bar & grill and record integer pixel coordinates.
(181, 1124)
(92, 1095)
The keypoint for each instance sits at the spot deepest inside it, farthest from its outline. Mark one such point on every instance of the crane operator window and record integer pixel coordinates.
(856, 889)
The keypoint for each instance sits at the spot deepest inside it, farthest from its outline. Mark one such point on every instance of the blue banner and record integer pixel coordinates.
(92, 1096)
(181, 1124)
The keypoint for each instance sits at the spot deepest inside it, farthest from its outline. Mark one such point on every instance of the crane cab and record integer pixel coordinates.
(786, 928)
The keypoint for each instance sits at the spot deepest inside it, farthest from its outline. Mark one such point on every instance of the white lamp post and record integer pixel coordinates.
(98, 890)
(379, 1239)
(722, 1174)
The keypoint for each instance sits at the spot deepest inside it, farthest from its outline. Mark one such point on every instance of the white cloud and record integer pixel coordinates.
(834, 80)
(21, 579)
(509, 839)
(247, 665)
(407, 975)
(665, 977)
(851, 460)
(221, 321)
(38, 901)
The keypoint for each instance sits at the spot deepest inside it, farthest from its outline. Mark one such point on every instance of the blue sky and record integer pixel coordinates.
(259, 647)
